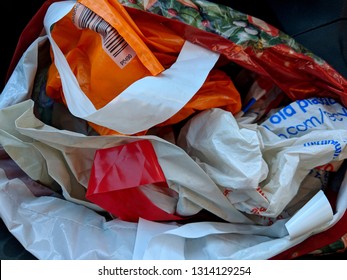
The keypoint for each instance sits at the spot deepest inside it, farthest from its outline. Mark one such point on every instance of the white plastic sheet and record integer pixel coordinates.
(260, 172)
(52, 228)
(71, 228)
(60, 222)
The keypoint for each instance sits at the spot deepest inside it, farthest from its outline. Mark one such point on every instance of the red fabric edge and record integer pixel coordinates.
(29, 34)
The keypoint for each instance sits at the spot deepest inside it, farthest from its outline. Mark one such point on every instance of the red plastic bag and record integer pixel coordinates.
(117, 175)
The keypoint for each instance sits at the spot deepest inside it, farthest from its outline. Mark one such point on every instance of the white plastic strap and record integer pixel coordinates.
(145, 103)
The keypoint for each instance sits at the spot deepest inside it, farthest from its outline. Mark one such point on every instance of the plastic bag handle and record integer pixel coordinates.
(145, 103)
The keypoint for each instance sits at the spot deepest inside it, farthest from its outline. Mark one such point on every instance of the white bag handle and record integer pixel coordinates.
(145, 103)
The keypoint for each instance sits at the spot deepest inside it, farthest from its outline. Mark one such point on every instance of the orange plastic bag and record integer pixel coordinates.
(103, 62)
(108, 51)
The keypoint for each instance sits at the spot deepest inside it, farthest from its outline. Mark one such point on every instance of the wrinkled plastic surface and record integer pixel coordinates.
(230, 153)
(52, 228)
(148, 45)
(117, 176)
(67, 158)
(20, 207)
(33, 220)
(249, 42)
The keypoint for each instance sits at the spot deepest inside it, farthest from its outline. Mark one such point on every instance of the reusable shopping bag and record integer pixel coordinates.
(229, 209)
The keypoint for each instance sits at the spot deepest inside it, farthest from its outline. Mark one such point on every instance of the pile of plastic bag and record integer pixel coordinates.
(169, 130)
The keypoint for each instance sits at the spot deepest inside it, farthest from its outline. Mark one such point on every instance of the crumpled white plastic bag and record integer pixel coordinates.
(259, 171)
(230, 155)
(19, 86)
(199, 243)
(53, 228)
(51, 155)
(307, 115)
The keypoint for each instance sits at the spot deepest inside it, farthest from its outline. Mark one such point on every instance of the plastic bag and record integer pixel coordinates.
(39, 148)
(129, 183)
(259, 171)
(121, 54)
(67, 158)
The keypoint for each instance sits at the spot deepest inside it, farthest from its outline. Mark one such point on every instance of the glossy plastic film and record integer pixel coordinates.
(117, 176)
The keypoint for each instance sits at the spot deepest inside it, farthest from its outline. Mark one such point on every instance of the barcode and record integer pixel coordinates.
(112, 42)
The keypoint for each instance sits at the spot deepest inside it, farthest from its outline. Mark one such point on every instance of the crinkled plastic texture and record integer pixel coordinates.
(69, 222)
(66, 157)
(321, 77)
(249, 42)
(52, 228)
(259, 168)
(102, 78)
(87, 52)
(116, 179)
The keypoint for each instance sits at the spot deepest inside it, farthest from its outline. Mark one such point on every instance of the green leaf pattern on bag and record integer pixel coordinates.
(221, 20)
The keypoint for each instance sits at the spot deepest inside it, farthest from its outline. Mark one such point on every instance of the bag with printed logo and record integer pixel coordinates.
(242, 151)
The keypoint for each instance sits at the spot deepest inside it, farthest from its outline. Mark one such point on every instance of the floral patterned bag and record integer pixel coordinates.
(246, 45)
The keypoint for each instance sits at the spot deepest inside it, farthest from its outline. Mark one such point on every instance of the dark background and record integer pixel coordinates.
(320, 26)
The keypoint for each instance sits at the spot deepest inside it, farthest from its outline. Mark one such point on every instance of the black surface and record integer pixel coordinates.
(319, 25)
(10, 247)
(14, 16)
